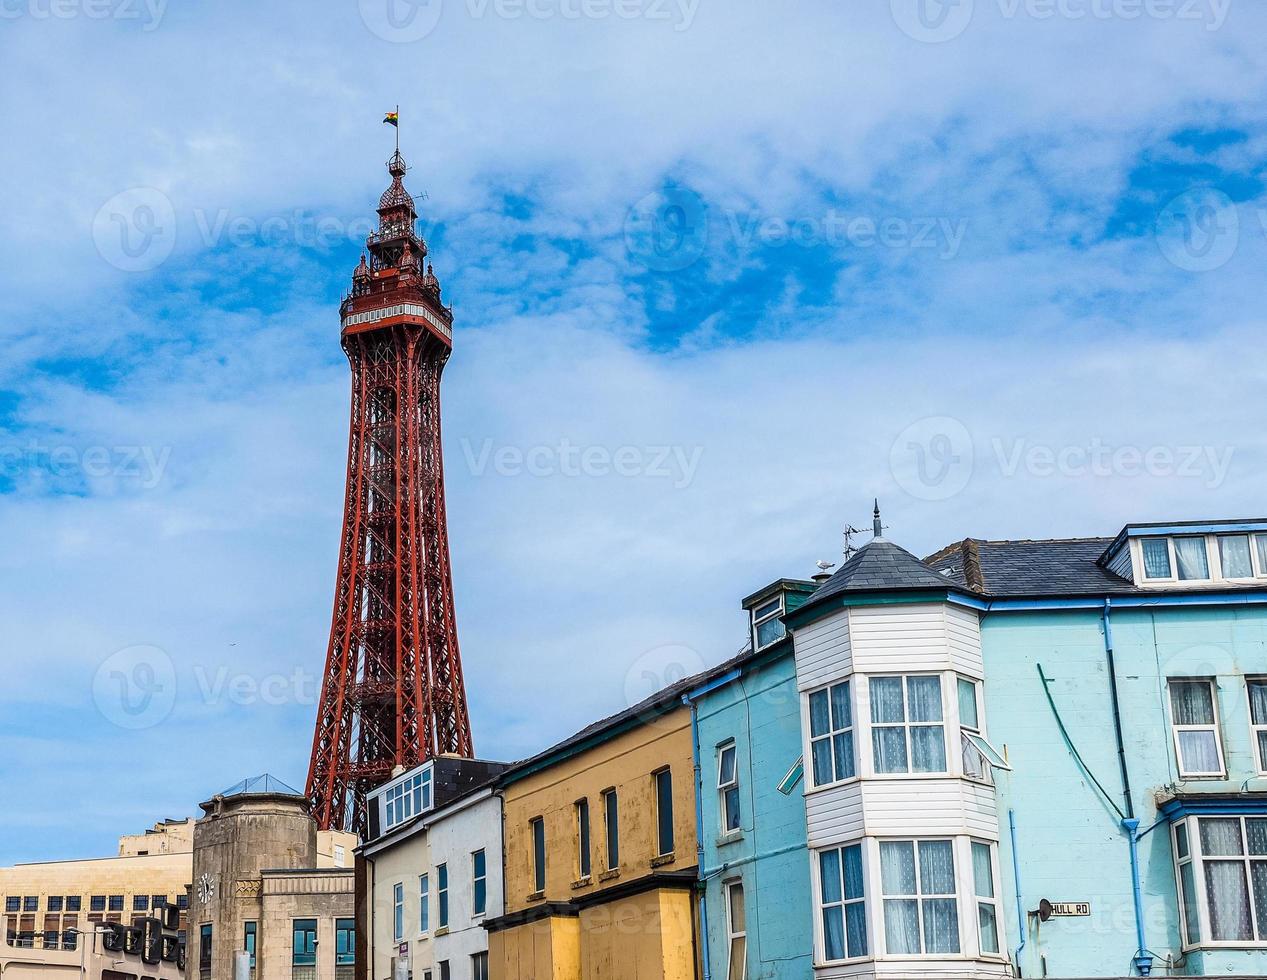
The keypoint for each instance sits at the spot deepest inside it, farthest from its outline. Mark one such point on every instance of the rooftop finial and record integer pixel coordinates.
(876, 528)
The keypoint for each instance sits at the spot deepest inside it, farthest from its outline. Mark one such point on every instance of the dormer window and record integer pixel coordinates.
(767, 627)
(1234, 556)
(1157, 558)
(406, 798)
(1183, 559)
(1191, 559)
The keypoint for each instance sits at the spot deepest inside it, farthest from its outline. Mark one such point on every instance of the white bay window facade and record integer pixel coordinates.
(900, 804)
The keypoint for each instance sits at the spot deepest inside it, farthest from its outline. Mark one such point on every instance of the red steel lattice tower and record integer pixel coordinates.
(392, 693)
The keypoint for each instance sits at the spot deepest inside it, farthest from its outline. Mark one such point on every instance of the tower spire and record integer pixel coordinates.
(877, 529)
(392, 693)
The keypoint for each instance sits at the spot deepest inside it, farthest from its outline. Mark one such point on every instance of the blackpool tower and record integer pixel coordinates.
(392, 692)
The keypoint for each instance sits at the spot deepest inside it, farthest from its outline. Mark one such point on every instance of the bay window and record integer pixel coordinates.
(1221, 867)
(987, 905)
(842, 908)
(831, 735)
(921, 913)
(907, 730)
(1194, 724)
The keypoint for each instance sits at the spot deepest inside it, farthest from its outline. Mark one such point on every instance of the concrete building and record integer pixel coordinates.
(44, 900)
(751, 811)
(434, 873)
(259, 891)
(93, 955)
(601, 854)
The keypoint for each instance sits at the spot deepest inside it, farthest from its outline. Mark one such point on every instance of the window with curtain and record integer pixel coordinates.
(975, 764)
(987, 906)
(1194, 721)
(1223, 859)
(831, 735)
(1156, 558)
(736, 932)
(921, 914)
(907, 732)
(1234, 556)
(1257, 687)
(728, 787)
(1260, 548)
(1191, 558)
(842, 907)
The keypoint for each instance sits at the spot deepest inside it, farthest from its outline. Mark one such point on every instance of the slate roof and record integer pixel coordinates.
(880, 566)
(1058, 567)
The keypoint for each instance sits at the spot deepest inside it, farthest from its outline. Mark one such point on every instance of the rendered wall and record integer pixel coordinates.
(769, 855)
(1070, 845)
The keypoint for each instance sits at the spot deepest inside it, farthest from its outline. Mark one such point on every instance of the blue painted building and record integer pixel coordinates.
(754, 866)
(1126, 680)
(1020, 758)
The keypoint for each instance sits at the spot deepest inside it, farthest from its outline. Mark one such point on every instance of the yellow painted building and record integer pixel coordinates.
(600, 854)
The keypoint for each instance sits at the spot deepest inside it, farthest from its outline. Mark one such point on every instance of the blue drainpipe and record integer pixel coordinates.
(1020, 906)
(689, 701)
(1143, 960)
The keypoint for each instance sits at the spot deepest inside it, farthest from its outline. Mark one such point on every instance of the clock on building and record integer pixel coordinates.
(206, 888)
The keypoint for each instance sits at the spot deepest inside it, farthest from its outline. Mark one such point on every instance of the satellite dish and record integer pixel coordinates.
(1044, 909)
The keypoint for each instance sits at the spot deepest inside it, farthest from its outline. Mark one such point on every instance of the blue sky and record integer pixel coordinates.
(722, 273)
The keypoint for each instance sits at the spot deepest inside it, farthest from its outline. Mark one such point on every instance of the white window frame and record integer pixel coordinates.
(829, 736)
(920, 898)
(816, 889)
(906, 724)
(1175, 729)
(725, 787)
(731, 933)
(1260, 753)
(424, 903)
(406, 799)
(1198, 859)
(995, 900)
(398, 911)
(779, 602)
(1253, 557)
(442, 896)
(477, 880)
(1170, 557)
